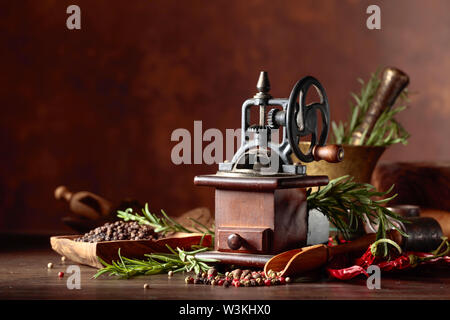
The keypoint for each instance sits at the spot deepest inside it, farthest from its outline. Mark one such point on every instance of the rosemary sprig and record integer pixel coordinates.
(177, 261)
(347, 204)
(163, 224)
(387, 129)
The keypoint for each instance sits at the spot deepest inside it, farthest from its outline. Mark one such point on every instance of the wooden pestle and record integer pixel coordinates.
(84, 203)
(393, 82)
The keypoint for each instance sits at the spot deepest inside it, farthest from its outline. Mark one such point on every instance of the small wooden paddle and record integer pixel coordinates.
(86, 253)
(84, 203)
(298, 261)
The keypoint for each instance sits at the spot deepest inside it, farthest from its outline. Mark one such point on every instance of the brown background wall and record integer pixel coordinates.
(94, 109)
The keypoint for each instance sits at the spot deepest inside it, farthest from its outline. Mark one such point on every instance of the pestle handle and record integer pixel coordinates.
(331, 153)
(393, 81)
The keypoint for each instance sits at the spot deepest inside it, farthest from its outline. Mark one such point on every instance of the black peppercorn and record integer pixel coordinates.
(119, 230)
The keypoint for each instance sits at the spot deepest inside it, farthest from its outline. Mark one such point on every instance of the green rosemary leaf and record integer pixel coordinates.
(205, 228)
(174, 223)
(195, 251)
(155, 263)
(354, 119)
(167, 259)
(386, 200)
(373, 246)
(202, 264)
(162, 224)
(358, 101)
(347, 204)
(170, 249)
(179, 269)
(197, 268)
(336, 131)
(100, 272)
(183, 256)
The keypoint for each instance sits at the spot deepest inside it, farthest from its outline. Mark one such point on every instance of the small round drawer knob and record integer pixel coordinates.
(234, 241)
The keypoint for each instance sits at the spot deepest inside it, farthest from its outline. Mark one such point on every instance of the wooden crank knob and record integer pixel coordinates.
(234, 241)
(330, 153)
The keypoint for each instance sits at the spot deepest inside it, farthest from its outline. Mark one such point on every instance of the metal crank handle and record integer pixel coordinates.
(331, 153)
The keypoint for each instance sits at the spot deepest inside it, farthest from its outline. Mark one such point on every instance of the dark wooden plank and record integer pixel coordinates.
(24, 275)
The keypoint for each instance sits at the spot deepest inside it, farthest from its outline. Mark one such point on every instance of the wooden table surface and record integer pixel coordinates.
(24, 275)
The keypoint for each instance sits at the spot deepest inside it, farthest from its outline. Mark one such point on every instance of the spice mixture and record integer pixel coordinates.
(119, 230)
(238, 278)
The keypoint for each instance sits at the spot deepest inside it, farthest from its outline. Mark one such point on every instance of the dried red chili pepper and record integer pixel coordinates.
(347, 273)
(400, 262)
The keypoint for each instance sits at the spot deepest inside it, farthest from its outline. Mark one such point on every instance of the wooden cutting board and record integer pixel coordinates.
(86, 253)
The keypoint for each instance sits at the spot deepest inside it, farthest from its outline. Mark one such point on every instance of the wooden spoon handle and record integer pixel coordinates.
(357, 245)
(361, 244)
(238, 259)
(84, 203)
(63, 193)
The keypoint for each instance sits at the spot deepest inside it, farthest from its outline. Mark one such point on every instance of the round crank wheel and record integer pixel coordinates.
(301, 119)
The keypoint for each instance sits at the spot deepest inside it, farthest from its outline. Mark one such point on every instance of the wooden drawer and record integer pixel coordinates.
(254, 240)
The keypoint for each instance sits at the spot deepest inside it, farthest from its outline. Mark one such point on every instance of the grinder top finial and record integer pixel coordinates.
(263, 86)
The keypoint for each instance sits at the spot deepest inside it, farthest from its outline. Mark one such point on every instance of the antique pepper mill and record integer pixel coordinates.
(259, 207)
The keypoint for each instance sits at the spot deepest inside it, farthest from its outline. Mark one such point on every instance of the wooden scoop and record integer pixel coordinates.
(298, 261)
(84, 203)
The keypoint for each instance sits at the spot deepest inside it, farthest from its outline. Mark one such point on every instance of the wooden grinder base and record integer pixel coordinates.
(264, 215)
